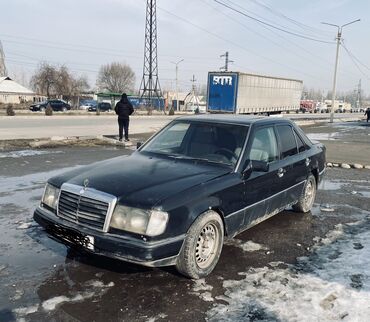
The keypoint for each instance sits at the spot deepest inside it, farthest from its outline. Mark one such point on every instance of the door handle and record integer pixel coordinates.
(280, 172)
(308, 161)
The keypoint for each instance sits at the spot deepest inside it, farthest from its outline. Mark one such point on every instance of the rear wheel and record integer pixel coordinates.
(202, 246)
(307, 197)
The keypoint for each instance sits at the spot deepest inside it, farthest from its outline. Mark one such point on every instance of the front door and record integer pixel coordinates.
(260, 188)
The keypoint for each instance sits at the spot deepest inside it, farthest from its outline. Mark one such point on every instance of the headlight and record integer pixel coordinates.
(50, 197)
(146, 222)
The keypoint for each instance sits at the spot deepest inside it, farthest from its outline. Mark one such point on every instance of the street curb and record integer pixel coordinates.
(345, 165)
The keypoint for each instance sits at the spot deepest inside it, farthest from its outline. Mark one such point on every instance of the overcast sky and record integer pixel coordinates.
(84, 34)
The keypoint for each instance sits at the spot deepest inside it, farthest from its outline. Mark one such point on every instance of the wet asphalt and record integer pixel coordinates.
(42, 280)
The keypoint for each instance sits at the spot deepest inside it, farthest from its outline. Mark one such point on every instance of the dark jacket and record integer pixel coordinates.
(367, 112)
(124, 109)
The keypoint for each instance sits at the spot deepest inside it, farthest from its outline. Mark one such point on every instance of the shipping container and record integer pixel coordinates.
(240, 93)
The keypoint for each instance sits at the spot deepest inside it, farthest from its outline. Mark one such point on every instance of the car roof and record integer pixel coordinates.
(236, 119)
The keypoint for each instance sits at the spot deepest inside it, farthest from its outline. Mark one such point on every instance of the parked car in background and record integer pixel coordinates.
(86, 104)
(56, 105)
(103, 107)
(173, 201)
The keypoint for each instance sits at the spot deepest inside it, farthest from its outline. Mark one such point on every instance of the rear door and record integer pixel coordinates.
(293, 165)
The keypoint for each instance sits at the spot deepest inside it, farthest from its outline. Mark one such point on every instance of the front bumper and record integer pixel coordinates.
(126, 248)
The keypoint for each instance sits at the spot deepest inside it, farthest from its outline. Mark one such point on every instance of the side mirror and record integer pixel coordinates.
(139, 144)
(261, 166)
(255, 166)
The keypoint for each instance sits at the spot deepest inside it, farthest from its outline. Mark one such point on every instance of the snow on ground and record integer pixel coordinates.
(203, 290)
(25, 153)
(248, 246)
(160, 316)
(97, 288)
(323, 136)
(331, 284)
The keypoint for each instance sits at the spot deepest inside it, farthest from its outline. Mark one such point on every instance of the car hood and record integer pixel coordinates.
(141, 180)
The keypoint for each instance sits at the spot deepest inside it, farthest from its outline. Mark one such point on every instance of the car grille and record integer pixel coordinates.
(79, 208)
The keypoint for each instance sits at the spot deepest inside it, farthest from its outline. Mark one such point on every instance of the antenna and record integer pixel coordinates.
(150, 86)
(3, 71)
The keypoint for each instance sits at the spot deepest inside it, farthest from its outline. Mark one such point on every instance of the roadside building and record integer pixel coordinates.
(14, 93)
(185, 101)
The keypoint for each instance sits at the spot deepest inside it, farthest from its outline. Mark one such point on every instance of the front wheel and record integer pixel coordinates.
(202, 246)
(307, 197)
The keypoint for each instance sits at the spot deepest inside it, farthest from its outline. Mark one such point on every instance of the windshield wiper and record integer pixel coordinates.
(183, 157)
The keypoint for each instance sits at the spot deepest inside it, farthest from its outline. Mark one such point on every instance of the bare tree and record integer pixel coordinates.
(44, 80)
(54, 81)
(116, 77)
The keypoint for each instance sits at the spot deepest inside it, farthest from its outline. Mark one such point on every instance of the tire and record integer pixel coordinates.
(198, 256)
(307, 198)
(42, 109)
(64, 109)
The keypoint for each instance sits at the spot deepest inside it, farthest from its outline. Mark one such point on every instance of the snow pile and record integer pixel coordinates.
(25, 225)
(248, 246)
(331, 284)
(203, 290)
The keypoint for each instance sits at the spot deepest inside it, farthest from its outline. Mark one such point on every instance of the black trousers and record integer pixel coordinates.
(123, 125)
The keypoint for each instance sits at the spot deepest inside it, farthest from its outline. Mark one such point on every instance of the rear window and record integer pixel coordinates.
(287, 141)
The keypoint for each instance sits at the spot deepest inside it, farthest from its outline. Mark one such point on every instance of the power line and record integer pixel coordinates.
(296, 22)
(307, 57)
(355, 63)
(271, 25)
(233, 43)
(354, 57)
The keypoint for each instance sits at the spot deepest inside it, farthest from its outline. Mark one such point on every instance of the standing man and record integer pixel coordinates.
(123, 109)
(367, 113)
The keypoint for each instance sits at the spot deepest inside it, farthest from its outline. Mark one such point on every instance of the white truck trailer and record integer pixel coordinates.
(241, 93)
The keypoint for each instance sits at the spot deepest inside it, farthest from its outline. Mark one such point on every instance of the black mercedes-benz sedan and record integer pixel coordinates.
(173, 201)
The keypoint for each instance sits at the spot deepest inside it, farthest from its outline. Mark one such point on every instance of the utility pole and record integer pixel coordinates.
(339, 39)
(3, 71)
(225, 68)
(177, 85)
(150, 86)
(358, 98)
(194, 96)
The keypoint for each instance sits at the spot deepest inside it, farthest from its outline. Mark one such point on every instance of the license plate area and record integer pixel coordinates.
(74, 237)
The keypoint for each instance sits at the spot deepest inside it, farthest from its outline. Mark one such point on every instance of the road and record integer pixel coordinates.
(33, 127)
(292, 267)
(40, 126)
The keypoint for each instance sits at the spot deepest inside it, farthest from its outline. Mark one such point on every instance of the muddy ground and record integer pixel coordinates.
(260, 276)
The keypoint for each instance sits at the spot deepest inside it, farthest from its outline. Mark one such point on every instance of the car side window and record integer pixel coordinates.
(287, 140)
(301, 145)
(264, 145)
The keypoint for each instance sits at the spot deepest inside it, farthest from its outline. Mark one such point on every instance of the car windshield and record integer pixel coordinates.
(201, 141)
